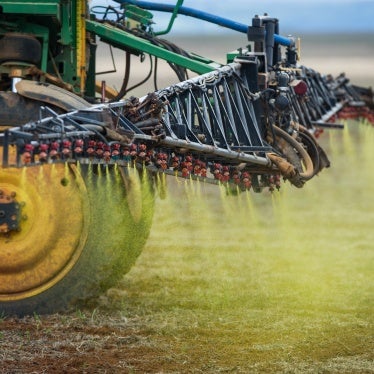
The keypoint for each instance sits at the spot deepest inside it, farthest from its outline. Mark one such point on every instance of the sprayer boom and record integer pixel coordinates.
(248, 123)
(212, 127)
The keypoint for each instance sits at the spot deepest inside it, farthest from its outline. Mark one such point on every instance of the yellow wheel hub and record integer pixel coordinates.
(51, 233)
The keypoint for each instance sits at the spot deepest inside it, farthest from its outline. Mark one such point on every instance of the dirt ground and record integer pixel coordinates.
(77, 343)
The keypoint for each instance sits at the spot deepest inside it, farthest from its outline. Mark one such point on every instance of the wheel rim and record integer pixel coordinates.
(50, 240)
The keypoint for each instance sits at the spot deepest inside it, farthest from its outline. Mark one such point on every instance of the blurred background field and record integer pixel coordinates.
(336, 36)
(278, 282)
(333, 54)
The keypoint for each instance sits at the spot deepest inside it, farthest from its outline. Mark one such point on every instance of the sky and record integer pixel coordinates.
(295, 16)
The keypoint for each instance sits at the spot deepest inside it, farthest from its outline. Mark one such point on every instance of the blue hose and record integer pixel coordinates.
(224, 22)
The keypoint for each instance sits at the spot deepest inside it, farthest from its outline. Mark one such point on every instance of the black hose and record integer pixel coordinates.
(145, 79)
(122, 92)
(179, 71)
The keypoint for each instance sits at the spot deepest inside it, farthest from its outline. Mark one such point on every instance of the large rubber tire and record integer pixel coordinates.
(84, 230)
(85, 227)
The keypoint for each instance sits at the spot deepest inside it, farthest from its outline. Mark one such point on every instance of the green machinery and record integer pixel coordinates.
(79, 160)
(55, 41)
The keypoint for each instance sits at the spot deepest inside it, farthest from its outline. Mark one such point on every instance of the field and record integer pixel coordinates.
(255, 283)
(328, 54)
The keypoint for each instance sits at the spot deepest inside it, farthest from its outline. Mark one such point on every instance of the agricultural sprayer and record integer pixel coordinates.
(80, 161)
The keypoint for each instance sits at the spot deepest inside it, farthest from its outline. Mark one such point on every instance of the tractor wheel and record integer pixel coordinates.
(79, 230)
(67, 232)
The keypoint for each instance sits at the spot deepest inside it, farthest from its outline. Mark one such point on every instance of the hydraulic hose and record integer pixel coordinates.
(308, 173)
(224, 22)
(122, 92)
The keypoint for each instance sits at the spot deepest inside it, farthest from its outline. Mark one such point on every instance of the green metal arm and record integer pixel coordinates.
(172, 19)
(122, 38)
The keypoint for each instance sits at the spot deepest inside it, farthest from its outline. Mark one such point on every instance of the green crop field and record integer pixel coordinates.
(278, 282)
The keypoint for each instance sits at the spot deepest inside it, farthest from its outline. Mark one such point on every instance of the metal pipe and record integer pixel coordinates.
(178, 174)
(224, 22)
(172, 19)
(208, 149)
(125, 40)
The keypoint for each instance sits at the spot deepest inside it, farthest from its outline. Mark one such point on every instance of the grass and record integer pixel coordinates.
(261, 283)
(257, 283)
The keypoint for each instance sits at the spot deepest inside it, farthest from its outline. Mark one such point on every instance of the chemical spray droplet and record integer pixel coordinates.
(64, 181)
